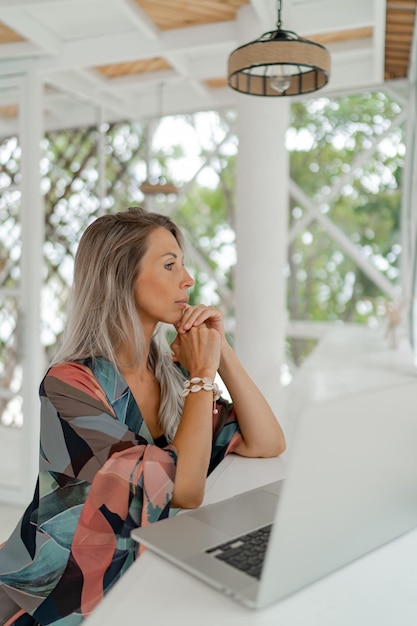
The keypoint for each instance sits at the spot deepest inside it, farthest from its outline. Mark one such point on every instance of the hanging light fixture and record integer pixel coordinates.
(279, 63)
(153, 186)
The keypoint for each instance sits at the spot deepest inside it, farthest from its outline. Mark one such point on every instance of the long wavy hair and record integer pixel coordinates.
(102, 315)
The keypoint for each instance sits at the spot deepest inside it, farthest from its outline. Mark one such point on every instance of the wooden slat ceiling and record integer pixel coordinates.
(167, 15)
(116, 70)
(8, 36)
(400, 19)
(398, 37)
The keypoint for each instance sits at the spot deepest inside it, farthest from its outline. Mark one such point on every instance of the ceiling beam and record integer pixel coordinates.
(19, 50)
(27, 4)
(323, 16)
(118, 48)
(30, 28)
(83, 87)
(139, 19)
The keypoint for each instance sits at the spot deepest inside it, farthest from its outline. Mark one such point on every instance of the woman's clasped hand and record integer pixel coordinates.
(198, 342)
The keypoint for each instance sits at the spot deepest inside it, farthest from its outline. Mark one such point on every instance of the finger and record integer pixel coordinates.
(195, 316)
(179, 326)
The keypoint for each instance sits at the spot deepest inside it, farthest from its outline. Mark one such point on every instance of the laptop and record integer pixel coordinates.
(350, 487)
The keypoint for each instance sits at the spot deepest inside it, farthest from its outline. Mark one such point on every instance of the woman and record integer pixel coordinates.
(125, 436)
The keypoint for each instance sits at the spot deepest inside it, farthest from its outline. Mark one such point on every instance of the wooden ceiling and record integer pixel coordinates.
(168, 15)
(399, 29)
(116, 54)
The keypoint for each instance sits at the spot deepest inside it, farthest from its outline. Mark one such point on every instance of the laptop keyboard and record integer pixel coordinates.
(246, 552)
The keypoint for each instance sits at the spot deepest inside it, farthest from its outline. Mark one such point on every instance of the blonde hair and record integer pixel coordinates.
(102, 315)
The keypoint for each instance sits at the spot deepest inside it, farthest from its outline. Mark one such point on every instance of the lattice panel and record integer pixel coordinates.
(73, 197)
(72, 200)
(10, 253)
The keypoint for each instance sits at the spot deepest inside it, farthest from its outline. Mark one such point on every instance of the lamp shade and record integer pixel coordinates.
(279, 63)
(158, 187)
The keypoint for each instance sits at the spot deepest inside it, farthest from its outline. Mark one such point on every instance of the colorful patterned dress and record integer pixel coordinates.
(101, 474)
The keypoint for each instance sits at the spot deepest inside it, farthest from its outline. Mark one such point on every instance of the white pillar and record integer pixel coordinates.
(101, 159)
(33, 228)
(261, 231)
(409, 211)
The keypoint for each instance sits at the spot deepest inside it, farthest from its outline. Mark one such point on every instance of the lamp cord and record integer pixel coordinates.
(279, 15)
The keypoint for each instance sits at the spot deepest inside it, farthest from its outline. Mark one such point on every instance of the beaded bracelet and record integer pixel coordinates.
(192, 386)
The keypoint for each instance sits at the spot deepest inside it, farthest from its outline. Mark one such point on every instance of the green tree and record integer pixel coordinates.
(347, 155)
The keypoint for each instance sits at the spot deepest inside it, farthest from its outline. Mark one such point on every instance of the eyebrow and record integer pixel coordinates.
(171, 254)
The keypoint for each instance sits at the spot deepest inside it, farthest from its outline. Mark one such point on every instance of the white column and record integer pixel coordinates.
(101, 159)
(261, 231)
(33, 228)
(408, 208)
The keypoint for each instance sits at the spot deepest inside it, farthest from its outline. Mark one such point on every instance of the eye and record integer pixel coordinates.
(169, 266)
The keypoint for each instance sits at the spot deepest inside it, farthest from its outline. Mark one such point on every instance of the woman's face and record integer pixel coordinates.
(161, 286)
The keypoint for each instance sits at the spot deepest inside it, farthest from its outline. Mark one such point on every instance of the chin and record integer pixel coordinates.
(174, 319)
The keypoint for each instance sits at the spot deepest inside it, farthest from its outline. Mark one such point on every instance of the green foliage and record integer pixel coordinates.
(347, 155)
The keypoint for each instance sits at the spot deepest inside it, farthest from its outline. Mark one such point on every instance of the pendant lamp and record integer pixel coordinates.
(279, 63)
(153, 186)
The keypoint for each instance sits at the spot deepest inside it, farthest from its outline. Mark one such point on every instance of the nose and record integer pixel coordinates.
(187, 280)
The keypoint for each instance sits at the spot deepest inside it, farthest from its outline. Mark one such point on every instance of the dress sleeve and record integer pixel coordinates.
(226, 433)
(97, 482)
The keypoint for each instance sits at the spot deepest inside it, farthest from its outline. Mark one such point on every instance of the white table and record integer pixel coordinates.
(379, 589)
